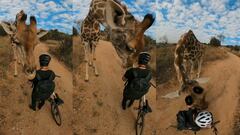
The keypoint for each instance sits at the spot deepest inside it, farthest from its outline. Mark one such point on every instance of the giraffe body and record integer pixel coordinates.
(189, 54)
(90, 29)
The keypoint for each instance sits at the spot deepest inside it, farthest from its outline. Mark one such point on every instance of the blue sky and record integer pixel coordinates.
(50, 14)
(206, 18)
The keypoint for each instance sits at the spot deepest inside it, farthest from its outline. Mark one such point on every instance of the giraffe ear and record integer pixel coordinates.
(8, 27)
(41, 33)
(115, 11)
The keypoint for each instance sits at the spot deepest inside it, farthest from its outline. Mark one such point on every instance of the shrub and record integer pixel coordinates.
(215, 42)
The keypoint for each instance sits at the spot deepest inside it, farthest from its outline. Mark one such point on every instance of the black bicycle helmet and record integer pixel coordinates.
(198, 90)
(189, 100)
(144, 58)
(44, 59)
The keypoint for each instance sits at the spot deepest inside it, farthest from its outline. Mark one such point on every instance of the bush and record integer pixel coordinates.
(75, 32)
(215, 42)
(64, 51)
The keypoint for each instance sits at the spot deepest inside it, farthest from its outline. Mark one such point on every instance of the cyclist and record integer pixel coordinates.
(43, 84)
(137, 80)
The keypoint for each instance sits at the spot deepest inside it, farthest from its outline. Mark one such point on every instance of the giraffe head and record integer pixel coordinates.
(130, 39)
(27, 37)
(134, 32)
(109, 13)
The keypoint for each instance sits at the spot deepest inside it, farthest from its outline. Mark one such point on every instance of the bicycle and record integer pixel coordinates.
(143, 109)
(55, 101)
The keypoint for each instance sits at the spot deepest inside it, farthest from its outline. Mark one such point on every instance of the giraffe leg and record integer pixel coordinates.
(90, 63)
(94, 59)
(191, 70)
(15, 60)
(179, 75)
(199, 67)
(86, 51)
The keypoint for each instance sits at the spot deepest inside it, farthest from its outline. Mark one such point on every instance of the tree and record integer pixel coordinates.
(215, 42)
(163, 39)
(75, 32)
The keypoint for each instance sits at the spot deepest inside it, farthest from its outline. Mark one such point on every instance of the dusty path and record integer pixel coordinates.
(97, 103)
(20, 120)
(222, 93)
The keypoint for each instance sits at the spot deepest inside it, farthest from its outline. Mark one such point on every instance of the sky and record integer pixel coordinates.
(50, 14)
(206, 18)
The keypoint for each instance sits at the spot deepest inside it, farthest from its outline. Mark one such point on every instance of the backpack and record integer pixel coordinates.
(183, 124)
(44, 87)
(138, 86)
(181, 120)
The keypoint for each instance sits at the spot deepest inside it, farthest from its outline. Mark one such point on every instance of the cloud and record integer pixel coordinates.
(206, 18)
(48, 12)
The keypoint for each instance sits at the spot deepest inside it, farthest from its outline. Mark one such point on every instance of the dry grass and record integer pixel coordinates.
(78, 52)
(214, 53)
(63, 51)
(152, 63)
(165, 60)
(165, 63)
(6, 56)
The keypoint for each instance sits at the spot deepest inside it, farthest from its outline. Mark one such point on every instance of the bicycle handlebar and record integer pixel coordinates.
(154, 86)
(58, 76)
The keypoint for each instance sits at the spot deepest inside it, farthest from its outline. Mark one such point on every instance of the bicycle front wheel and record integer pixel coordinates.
(139, 124)
(56, 114)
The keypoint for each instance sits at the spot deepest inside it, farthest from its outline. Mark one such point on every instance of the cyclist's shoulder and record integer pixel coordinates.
(44, 73)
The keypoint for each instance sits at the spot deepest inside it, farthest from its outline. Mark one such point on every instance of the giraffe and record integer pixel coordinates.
(109, 13)
(188, 54)
(134, 36)
(23, 39)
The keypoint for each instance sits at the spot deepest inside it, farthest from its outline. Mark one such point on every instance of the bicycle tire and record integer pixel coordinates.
(139, 125)
(56, 114)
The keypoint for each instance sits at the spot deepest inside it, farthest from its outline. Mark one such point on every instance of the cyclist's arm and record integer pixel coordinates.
(124, 78)
(127, 75)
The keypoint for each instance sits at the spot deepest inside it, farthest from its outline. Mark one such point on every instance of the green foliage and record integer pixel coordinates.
(64, 51)
(215, 42)
(149, 42)
(54, 35)
(75, 32)
(2, 32)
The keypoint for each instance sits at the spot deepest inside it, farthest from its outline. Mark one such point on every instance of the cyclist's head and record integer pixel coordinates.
(198, 90)
(204, 119)
(189, 100)
(144, 58)
(44, 60)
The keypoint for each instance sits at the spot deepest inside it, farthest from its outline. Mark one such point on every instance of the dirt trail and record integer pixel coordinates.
(20, 120)
(99, 100)
(222, 94)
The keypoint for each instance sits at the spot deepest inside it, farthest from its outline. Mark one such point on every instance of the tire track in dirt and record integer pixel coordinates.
(20, 120)
(222, 92)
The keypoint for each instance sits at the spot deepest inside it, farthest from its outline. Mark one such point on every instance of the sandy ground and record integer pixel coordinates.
(97, 103)
(18, 119)
(222, 95)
